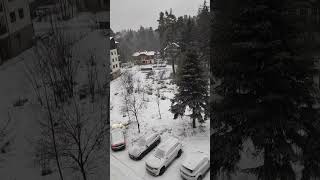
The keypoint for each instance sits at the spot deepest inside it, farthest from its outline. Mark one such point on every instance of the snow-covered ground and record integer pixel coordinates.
(193, 140)
(19, 163)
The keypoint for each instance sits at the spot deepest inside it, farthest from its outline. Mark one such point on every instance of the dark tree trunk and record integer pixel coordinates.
(194, 123)
(83, 172)
(173, 68)
(53, 136)
(135, 114)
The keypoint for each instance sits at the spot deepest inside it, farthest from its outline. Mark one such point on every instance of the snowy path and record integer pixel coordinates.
(121, 170)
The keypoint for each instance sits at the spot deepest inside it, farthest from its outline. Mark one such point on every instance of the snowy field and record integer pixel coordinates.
(193, 140)
(19, 163)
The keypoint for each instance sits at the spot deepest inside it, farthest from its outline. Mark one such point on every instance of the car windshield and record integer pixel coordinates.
(159, 153)
(142, 141)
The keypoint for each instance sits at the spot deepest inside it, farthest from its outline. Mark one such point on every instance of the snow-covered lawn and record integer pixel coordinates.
(193, 140)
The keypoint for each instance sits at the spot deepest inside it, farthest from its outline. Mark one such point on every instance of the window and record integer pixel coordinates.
(21, 14)
(12, 17)
(111, 53)
(1, 8)
(314, 11)
(303, 11)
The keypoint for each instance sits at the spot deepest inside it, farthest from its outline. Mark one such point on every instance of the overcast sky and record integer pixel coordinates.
(130, 14)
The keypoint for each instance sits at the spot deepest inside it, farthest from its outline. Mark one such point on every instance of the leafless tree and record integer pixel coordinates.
(127, 84)
(158, 97)
(135, 106)
(47, 143)
(92, 74)
(72, 130)
(55, 65)
(51, 76)
(81, 133)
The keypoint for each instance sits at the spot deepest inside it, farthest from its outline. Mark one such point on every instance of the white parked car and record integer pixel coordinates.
(163, 156)
(118, 141)
(143, 145)
(195, 166)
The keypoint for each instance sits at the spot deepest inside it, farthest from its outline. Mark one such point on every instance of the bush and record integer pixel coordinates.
(20, 102)
(45, 172)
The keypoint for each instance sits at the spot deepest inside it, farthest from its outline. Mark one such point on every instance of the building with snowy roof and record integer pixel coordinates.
(144, 57)
(16, 29)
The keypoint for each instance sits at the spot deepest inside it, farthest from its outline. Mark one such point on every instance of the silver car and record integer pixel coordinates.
(195, 166)
(143, 146)
(163, 156)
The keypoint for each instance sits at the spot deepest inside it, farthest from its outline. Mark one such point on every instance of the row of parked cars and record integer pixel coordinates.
(194, 167)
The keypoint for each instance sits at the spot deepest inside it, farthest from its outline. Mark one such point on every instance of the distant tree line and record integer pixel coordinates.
(191, 33)
(131, 41)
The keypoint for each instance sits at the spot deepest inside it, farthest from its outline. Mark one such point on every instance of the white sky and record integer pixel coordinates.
(130, 14)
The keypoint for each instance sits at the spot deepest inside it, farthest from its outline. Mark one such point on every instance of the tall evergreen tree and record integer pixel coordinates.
(203, 33)
(267, 90)
(161, 30)
(192, 90)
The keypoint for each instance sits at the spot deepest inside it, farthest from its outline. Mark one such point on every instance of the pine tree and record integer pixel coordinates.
(161, 31)
(203, 33)
(192, 90)
(267, 90)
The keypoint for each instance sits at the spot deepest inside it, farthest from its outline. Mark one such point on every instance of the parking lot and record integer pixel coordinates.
(122, 166)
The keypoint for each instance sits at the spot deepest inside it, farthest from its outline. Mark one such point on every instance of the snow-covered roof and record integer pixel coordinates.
(147, 53)
(168, 144)
(193, 160)
(172, 44)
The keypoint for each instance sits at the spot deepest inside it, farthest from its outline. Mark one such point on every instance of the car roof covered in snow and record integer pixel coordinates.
(193, 160)
(149, 135)
(145, 136)
(168, 144)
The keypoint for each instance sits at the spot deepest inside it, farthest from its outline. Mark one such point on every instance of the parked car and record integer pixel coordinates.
(195, 166)
(143, 146)
(118, 141)
(118, 125)
(163, 156)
